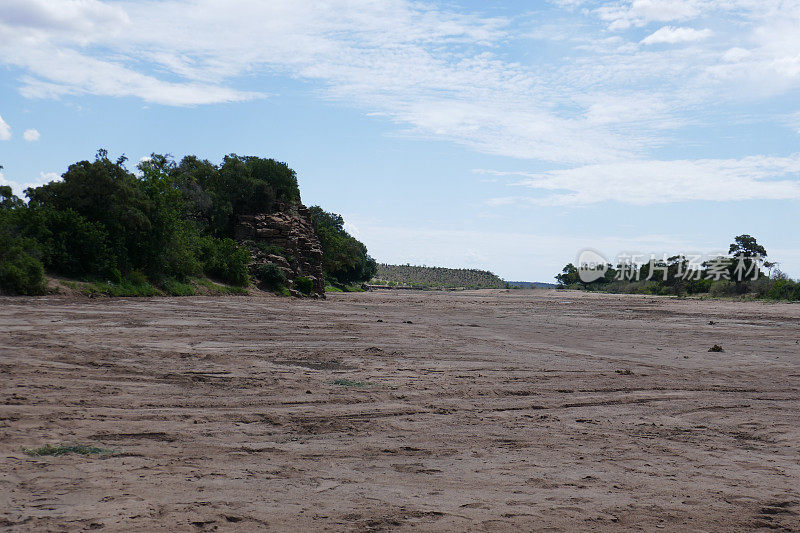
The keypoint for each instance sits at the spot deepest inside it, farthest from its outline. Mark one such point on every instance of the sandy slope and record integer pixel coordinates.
(490, 410)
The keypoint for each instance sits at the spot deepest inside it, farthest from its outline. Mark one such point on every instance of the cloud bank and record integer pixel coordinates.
(633, 73)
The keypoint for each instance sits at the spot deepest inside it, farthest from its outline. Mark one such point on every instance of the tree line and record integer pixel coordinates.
(159, 227)
(740, 273)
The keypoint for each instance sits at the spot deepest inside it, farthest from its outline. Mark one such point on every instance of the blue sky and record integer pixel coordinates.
(497, 135)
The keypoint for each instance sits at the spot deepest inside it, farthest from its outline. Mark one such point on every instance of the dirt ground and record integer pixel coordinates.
(486, 410)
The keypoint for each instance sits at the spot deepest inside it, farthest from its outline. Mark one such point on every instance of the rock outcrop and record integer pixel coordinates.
(287, 239)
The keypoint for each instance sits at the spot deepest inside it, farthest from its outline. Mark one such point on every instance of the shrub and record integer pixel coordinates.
(137, 278)
(784, 289)
(20, 271)
(759, 287)
(270, 276)
(304, 284)
(344, 258)
(722, 287)
(174, 287)
(270, 249)
(225, 260)
(71, 245)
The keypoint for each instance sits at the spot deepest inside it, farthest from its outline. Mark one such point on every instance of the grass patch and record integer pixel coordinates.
(138, 288)
(341, 287)
(217, 288)
(61, 449)
(304, 284)
(174, 287)
(353, 288)
(123, 289)
(351, 383)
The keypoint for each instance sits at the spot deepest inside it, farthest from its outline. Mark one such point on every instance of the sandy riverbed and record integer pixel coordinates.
(490, 410)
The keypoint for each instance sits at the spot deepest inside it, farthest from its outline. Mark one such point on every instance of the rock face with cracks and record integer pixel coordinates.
(291, 231)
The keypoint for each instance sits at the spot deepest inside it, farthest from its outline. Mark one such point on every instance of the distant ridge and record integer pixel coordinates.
(424, 277)
(530, 285)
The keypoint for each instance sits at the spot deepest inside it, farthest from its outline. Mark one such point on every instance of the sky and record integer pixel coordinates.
(484, 134)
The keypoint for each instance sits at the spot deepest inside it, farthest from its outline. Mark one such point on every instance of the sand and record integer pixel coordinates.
(483, 410)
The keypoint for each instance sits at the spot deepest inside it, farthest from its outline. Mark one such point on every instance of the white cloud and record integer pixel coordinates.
(63, 15)
(622, 15)
(654, 182)
(5, 130)
(31, 135)
(736, 54)
(435, 72)
(672, 35)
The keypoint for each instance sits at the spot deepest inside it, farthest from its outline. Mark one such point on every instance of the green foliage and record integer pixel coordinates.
(215, 288)
(127, 287)
(677, 283)
(270, 276)
(784, 289)
(344, 258)
(217, 195)
(174, 287)
(104, 192)
(304, 284)
(138, 234)
(71, 245)
(436, 277)
(569, 275)
(21, 272)
(8, 200)
(60, 449)
(270, 249)
(722, 288)
(225, 260)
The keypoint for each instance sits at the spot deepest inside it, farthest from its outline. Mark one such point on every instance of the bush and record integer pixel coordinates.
(20, 272)
(784, 289)
(722, 287)
(225, 260)
(344, 258)
(304, 284)
(759, 287)
(270, 276)
(174, 287)
(270, 249)
(127, 288)
(137, 278)
(70, 244)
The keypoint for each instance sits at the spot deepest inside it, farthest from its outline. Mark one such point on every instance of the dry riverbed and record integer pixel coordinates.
(486, 410)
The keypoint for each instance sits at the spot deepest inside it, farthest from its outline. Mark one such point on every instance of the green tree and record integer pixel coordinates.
(104, 192)
(746, 253)
(344, 258)
(569, 275)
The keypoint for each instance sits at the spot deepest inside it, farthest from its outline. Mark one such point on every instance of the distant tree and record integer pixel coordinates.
(569, 275)
(747, 246)
(744, 250)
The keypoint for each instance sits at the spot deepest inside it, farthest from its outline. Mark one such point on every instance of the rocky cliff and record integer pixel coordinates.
(287, 239)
